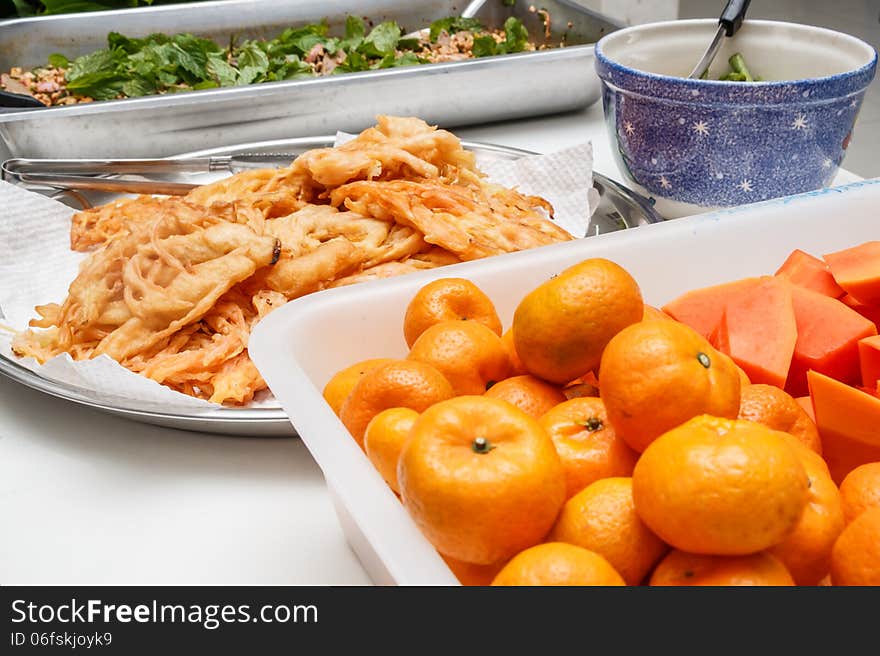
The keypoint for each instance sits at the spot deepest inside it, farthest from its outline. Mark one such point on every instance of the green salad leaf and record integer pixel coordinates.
(58, 60)
(159, 63)
(454, 24)
(382, 40)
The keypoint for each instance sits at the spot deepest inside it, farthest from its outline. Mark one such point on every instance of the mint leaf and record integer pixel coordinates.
(382, 40)
(516, 36)
(354, 28)
(484, 46)
(138, 86)
(409, 44)
(248, 75)
(98, 85)
(100, 61)
(58, 60)
(354, 61)
(252, 56)
(454, 24)
(224, 74)
(288, 68)
(406, 59)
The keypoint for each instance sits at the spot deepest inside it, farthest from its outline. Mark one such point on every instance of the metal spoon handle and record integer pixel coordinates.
(728, 24)
(733, 15)
(471, 10)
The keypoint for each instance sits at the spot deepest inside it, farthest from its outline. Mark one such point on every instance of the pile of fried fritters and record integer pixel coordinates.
(174, 285)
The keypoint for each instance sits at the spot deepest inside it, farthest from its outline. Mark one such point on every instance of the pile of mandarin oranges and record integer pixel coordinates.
(599, 442)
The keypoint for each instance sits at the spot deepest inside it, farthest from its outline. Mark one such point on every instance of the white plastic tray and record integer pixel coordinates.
(300, 346)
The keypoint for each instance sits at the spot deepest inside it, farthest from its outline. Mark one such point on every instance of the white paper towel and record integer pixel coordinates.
(37, 266)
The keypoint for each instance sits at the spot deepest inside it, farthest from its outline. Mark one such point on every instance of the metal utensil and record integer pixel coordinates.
(86, 174)
(468, 12)
(18, 100)
(618, 208)
(728, 25)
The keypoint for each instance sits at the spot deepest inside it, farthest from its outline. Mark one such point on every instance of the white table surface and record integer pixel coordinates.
(86, 498)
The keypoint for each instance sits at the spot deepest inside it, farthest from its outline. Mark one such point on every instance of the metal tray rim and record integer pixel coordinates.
(266, 90)
(260, 421)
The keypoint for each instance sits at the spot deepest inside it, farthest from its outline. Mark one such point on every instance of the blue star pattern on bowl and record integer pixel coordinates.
(713, 143)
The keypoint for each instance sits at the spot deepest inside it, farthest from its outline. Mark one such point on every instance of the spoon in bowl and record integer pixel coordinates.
(728, 25)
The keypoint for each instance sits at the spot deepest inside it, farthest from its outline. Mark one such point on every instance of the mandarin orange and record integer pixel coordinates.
(469, 355)
(855, 559)
(556, 563)
(655, 375)
(860, 490)
(339, 387)
(778, 410)
(560, 329)
(806, 551)
(448, 299)
(720, 487)
(517, 368)
(397, 384)
(586, 443)
(684, 569)
(531, 395)
(602, 518)
(384, 438)
(481, 479)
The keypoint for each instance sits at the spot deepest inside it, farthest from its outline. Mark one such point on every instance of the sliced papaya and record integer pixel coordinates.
(849, 424)
(701, 309)
(870, 312)
(844, 410)
(857, 270)
(806, 402)
(828, 334)
(758, 330)
(842, 455)
(804, 270)
(869, 359)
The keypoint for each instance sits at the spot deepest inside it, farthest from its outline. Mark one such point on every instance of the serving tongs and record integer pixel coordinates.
(731, 20)
(10, 100)
(94, 174)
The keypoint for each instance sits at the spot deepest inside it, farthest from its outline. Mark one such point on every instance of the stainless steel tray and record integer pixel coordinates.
(451, 94)
(618, 208)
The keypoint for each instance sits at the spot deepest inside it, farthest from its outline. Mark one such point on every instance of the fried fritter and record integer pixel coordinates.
(174, 286)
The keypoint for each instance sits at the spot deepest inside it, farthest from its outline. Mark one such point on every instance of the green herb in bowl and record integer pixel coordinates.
(738, 72)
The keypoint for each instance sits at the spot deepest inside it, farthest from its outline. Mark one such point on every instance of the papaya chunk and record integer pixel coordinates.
(869, 359)
(758, 330)
(701, 309)
(806, 402)
(849, 424)
(844, 410)
(804, 270)
(857, 270)
(870, 312)
(828, 334)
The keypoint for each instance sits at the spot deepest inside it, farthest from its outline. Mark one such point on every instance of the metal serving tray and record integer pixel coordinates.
(617, 206)
(451, 94)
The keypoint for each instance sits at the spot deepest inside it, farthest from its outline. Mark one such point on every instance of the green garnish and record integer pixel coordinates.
(454, 24)
(516, 38)
(739, 72)
(157, 64)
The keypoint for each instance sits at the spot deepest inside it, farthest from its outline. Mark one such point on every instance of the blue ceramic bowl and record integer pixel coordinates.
(698, 144)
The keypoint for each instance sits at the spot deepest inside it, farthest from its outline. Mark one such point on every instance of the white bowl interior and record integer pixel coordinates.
(773, 50)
